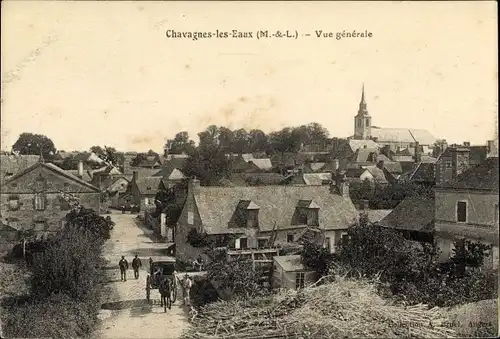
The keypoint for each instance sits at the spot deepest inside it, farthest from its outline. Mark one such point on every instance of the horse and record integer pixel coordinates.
(165, 289)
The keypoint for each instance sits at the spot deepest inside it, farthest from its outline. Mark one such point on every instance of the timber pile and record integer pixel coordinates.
(343, 309)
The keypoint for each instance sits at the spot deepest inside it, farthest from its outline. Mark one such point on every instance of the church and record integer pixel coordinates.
(395, 138)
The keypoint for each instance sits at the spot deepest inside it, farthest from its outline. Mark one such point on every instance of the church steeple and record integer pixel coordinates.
(362, 104)
(362, 121)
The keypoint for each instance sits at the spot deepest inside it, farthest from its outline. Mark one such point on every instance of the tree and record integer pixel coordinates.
(317, 258)
(87, 219)
(181, 143)
(34, 144)
(240, 141)
(225, 139)
(257, 141)
(208, 163)
(140, 157)
(108, 154)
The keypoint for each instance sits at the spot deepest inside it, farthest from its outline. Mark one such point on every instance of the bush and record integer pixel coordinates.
(57, 316)
(235, 278)
(88, 220)
(69, 264)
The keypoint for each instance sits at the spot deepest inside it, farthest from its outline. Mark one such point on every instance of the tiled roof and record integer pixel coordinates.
(263, 164)
(355, 144)
(85, 177)
(12, 164)
(53, 168)
(403, 135)
(484, 176)
(149, 185)
(290, 263)
(244, 179)
(412, 214)
(317, 178)
(423, 172)
(217, 206)
(376, 215)
(316, 166)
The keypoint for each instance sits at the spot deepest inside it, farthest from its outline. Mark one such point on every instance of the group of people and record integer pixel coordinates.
(123, 264)
(186, 283)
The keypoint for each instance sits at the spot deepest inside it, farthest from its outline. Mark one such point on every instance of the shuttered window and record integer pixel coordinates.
(39, 202)
(13, 203)
(300, 280)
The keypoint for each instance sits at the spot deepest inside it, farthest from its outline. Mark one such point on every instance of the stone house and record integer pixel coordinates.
(466, 207)
(289, 272)
(143, 191)
(11, 164)
(32, 198)
(249, 217)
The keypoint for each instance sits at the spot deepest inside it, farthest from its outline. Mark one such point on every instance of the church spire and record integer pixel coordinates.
(362, 104)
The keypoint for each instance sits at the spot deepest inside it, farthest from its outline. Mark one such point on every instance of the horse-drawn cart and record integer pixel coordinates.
(160, 271)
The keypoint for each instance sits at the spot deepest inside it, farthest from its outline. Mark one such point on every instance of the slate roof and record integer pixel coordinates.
(412, 214)
(243, 179)
(403, 135)
(316, 166)
(376, 215)
(290, 263)
(86, 176)
(481, 177)
(142, 172)
(171, 171)
(423, 172)
(393, 167)
(355, 144)
(278, 204)
(149, 185)
(317, 178)
(15, 163)
(263, 164)
(53, 168)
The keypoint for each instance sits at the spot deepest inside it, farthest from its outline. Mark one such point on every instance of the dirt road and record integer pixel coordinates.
(125, 313)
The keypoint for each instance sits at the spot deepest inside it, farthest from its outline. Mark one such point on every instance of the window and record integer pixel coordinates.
(312, 217)
(252, 218)
(344, 237)
(289, 238)
(448, 164)
(461, 211)
(243, 243)
(148, 188)
(13, 203)
(300, 280)
(64, 205)
(13, 222)
(262, 243)
(302, 219)
(359, 122)
(190, 218)
(39, 202)
(367, 122)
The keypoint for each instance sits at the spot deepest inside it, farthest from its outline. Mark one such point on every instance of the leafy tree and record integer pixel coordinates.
(257, 141)
(87, 219)
(236, 277)
(208, 163)
(107, 154)
(241, 142)
(139, 158)
(34, 144)
(225, 139)
(209, 137)
(317, 258)
(361, 190)
(169, 202)
(181, 143)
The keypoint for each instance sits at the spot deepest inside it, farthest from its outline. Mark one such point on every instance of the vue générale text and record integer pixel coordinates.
(266, 34)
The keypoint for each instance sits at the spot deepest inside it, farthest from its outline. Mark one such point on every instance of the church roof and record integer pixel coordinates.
(404, 135)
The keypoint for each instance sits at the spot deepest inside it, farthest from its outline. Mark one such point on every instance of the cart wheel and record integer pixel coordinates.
(148, 288)
(174, 294)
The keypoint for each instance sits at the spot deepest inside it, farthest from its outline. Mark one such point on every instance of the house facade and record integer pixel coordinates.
(143, 191)
(257, 217)
(290, 273)
(33, 199)
(467, 208)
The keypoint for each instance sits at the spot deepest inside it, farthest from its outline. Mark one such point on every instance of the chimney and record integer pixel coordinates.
(417, 156)
(194, 186)
(80, 169)
(336, 165)
(134, 176)
(342, 184)
(459, 160)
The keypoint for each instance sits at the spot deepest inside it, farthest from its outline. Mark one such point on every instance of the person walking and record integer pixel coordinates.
(136, 264)
(123, 263)
(187, 284)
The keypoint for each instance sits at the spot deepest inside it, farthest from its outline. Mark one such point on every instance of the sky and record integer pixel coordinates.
(104, 73)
